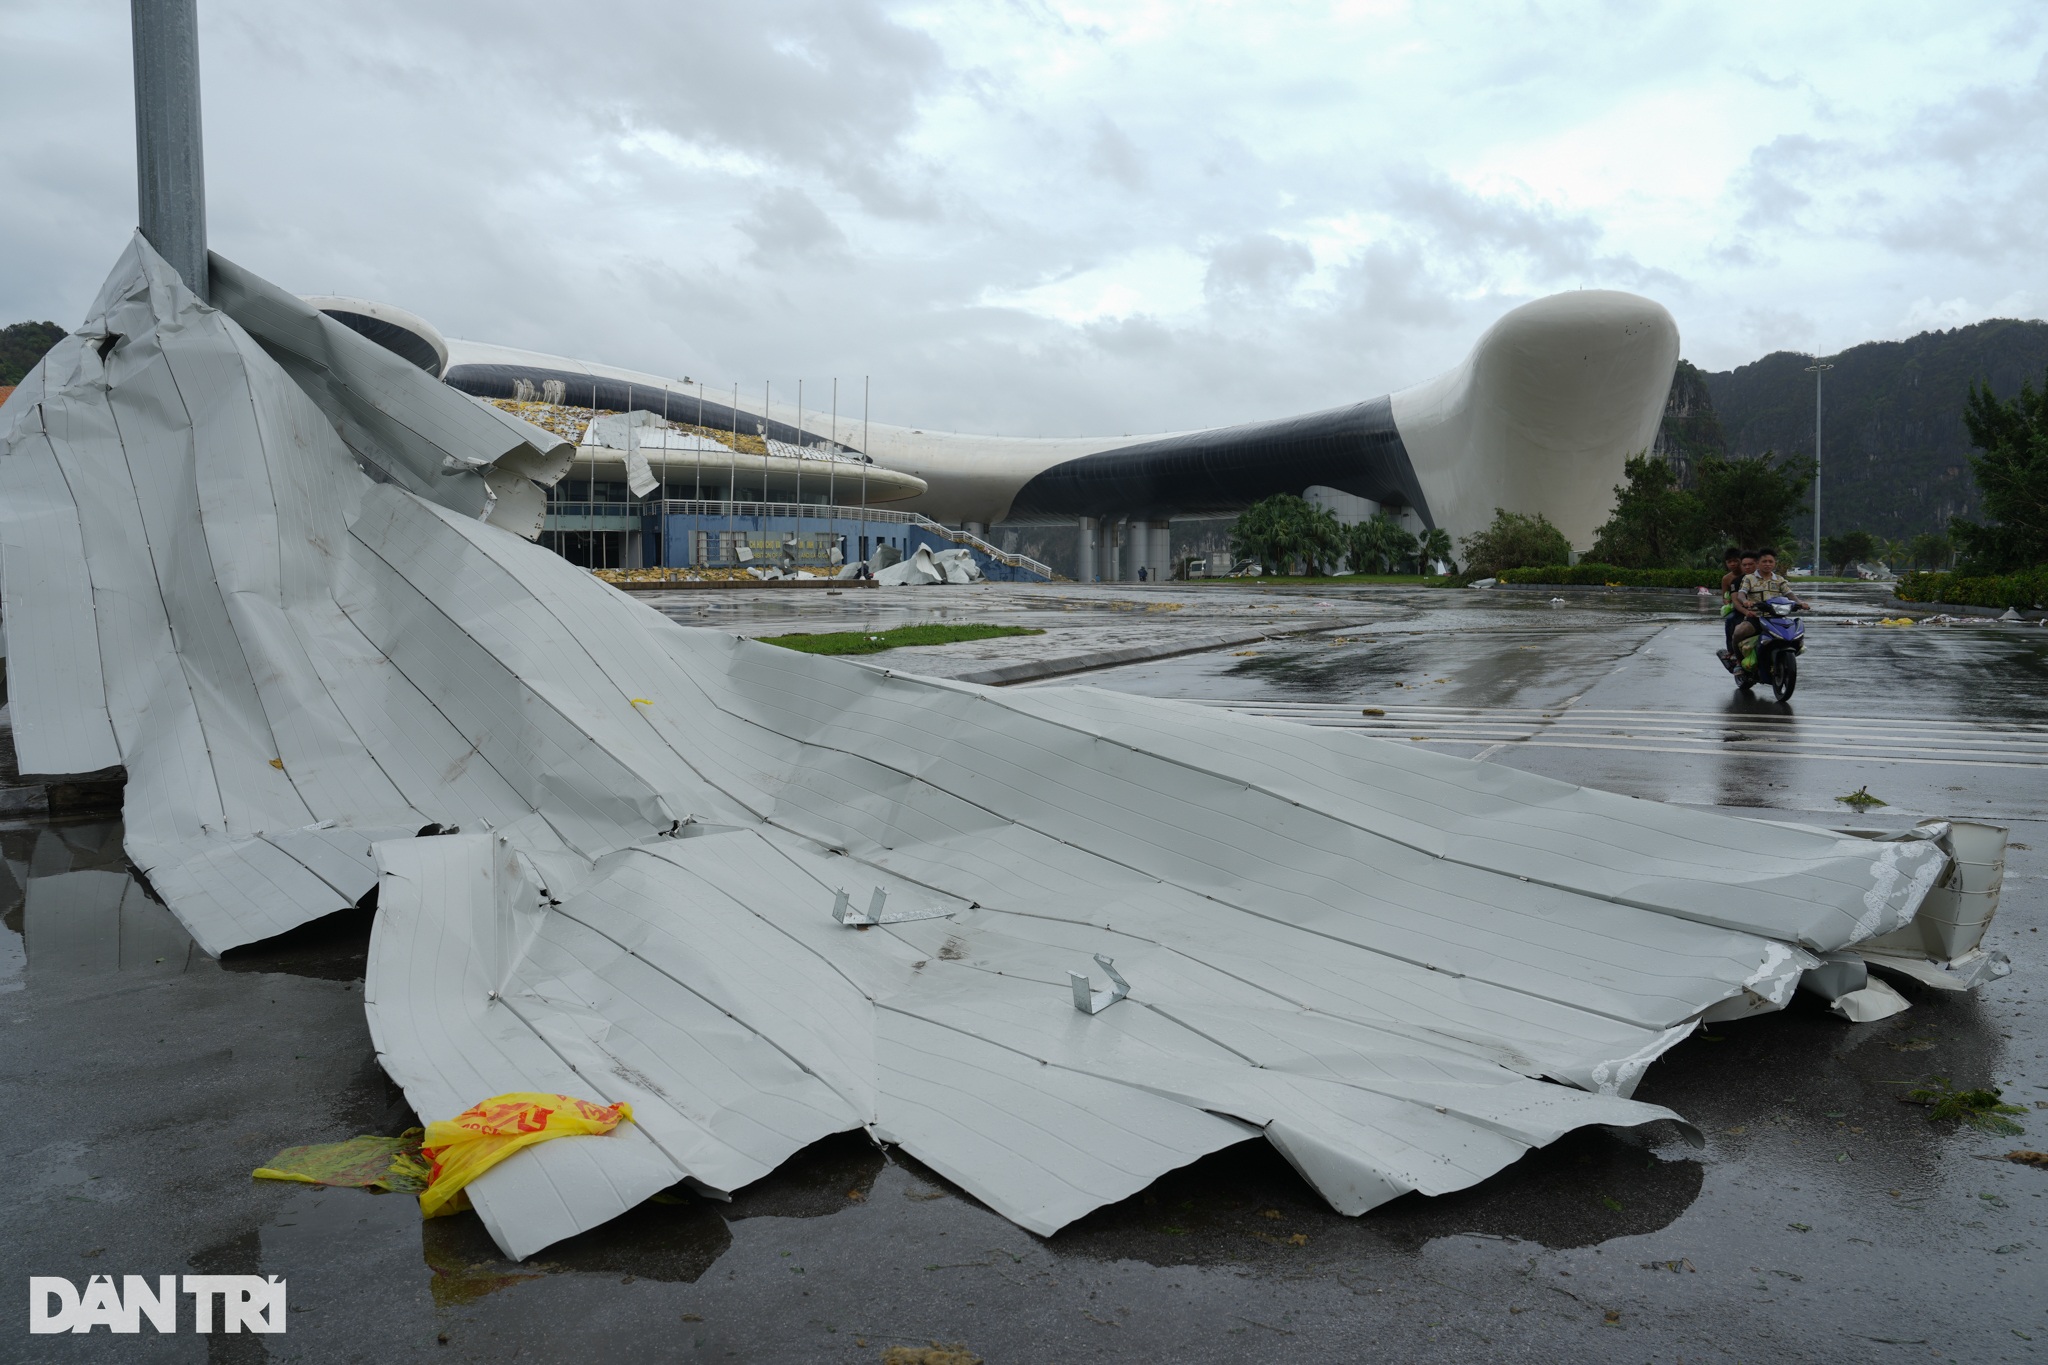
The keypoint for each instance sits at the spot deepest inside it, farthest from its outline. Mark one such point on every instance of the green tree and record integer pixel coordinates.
(2012, 474)
(1379, 544)
(1655, 523)
(22, 344)
(1514, 541)
(1930, 551)
(1436, 549)
(1282, 530)
(1849, 549)
(1751, 502)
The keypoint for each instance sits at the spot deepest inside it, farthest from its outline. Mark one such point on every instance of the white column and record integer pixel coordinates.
(975, 528)
(1084, 570)
(1159, 550)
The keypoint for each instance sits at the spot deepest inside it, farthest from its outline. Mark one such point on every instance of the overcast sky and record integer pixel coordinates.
(1047, 218)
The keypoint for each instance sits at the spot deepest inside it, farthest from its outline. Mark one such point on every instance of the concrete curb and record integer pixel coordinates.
(1558, 589)
(684, 585)
(1957, 609)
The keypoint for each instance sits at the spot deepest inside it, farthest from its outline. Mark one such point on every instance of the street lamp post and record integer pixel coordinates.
(1818, 368)
(170, 162)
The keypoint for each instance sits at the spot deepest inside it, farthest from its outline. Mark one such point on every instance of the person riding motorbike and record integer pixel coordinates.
(1738, 563)
(1758, 586)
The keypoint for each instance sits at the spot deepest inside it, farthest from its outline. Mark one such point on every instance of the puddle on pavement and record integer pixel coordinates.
(334, 947)
(71, 906)
(674, 1237)
(1246, 1205)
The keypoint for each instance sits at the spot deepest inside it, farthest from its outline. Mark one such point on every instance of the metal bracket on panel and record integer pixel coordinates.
(843, 911)
(1085, 999)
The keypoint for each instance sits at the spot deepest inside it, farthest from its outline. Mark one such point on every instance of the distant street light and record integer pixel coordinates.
(1816, 369)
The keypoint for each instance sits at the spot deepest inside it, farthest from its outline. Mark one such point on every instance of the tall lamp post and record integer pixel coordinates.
(170, 165)
(1818, 368)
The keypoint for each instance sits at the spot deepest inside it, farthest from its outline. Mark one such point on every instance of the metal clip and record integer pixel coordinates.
(1085, 999)
(843, 911)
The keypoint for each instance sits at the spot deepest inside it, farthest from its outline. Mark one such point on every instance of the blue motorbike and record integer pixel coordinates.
(1772, 654)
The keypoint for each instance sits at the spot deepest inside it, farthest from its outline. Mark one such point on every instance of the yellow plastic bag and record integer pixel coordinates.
(364, 1163)
(460, 1149)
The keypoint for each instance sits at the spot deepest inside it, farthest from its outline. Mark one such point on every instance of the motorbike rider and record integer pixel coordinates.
(1759, 585)
(1739, 563)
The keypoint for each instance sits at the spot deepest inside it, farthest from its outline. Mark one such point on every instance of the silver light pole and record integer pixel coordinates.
(870, 556)
(170, 164)
(832, 469)
(1816, 369)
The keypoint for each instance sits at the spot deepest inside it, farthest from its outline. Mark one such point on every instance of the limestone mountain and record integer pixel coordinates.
(1895, 454)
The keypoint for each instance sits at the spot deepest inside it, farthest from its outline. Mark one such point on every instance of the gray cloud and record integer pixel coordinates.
(1113, 156)
(806, 187)
(1255, 269)
(784, 224)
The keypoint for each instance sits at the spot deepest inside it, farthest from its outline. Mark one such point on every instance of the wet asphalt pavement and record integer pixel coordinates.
(1823, 1219)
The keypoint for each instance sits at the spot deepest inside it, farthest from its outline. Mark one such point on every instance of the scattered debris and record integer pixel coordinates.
(2027, 1158)
(464, 1147)
(1373, 711)
(1982, 1108)
(923, 567)
(364, 1163)
(934, 1354)
(1861, 799)
(898, 637)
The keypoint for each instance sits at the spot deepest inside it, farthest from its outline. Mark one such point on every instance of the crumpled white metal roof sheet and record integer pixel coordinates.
(1404, 970)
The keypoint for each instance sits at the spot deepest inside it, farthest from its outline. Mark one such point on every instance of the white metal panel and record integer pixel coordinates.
(55, 686)
(1380, 959)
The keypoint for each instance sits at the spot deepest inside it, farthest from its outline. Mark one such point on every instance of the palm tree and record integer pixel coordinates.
(1436, 549)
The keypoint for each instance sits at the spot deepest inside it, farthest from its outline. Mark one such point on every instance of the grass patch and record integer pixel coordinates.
(867, 642)
(1861, 799)
(1340, 580)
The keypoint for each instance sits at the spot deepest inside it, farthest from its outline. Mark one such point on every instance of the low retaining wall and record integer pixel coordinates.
(1957, 609)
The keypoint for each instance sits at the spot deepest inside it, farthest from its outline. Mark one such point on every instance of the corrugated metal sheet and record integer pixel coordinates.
(1402, 969)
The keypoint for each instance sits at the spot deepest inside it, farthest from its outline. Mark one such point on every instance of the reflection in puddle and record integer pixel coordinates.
(1247, 1205)
(674, 1237)
(671, 1242)
(334, 947)
(1588, 1187)
(90, 922)
(74, 909)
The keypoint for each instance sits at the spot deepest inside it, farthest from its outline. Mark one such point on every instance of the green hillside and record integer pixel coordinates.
(1896, 454)
(22, 345)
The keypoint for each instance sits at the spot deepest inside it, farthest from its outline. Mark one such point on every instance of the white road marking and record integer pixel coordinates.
(1859, 739)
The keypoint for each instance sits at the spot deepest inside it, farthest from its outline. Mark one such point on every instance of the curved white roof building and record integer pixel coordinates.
(1538, 418)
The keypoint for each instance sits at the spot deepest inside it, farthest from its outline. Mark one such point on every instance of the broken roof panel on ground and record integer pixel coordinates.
(1402, 969)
